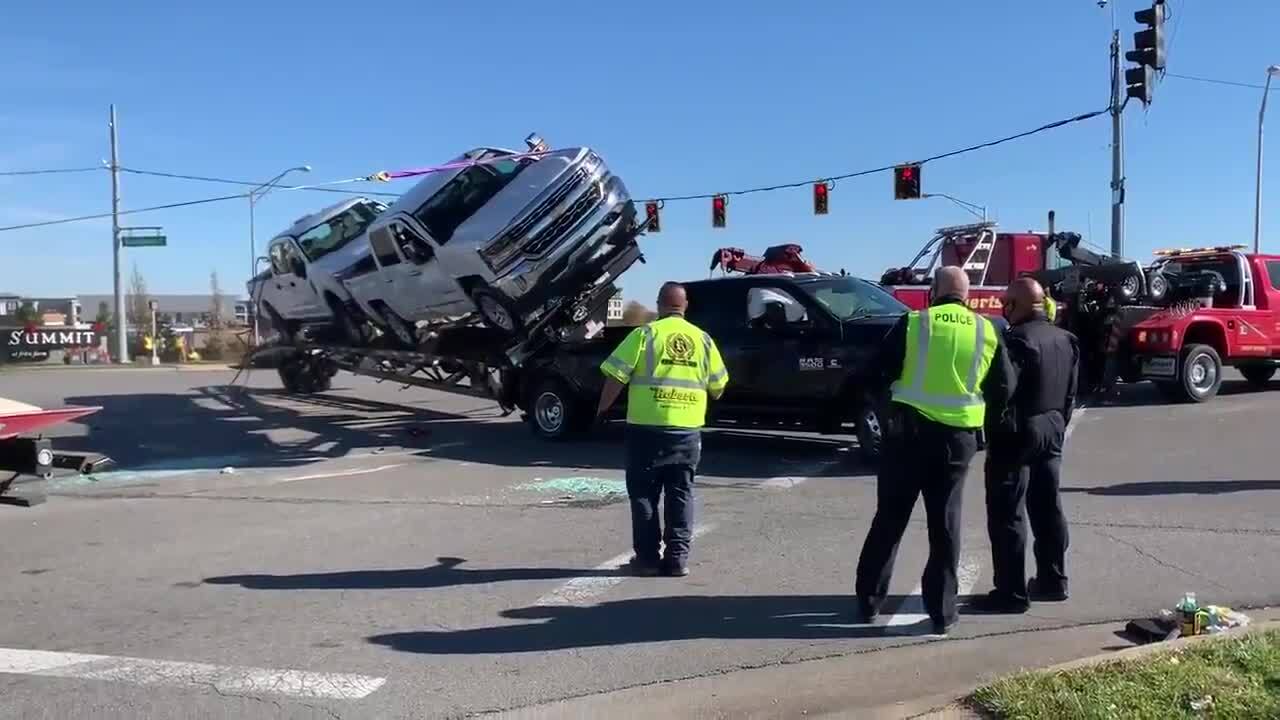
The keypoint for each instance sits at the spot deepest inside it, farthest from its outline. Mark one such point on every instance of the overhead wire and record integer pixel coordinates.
(247, 183)
(673, 198)
(53, 171)
(1214, 81)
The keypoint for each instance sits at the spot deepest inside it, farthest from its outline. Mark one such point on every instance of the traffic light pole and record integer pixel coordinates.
(1117, 150)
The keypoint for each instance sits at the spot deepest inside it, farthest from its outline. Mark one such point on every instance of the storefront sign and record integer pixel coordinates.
(34, 344)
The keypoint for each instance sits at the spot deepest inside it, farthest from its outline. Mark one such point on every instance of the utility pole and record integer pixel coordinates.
(122, 333)
(1117, 150)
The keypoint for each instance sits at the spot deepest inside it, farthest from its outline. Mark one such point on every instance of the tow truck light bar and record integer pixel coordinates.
(1198, 251)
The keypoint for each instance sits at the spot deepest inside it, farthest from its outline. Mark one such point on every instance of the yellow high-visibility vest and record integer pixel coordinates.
(1050, 308)
(668, 365)
(950, 348)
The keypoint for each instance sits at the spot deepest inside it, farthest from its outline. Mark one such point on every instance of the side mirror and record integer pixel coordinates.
(299, 268)
(418, 254)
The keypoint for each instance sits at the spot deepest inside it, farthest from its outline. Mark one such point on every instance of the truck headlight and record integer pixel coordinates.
(592, 164)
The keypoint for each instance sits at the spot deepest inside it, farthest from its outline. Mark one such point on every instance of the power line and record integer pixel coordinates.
(226, 181)
(1212, 80)
(99, 216)
(859, 173)
(10, 173)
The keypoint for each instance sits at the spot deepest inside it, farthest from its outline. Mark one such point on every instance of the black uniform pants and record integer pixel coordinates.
(1022, 477)
(661, 462)
(921, 457)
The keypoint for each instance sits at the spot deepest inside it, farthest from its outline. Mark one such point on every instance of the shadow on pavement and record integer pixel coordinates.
(445, 573)
(1145, 394)
(656, 620)
(1189, 487)
(249, 427)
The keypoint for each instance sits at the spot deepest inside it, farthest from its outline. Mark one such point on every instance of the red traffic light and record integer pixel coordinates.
(652, 222)
(820, 198)
(906, 182)
(718, 211)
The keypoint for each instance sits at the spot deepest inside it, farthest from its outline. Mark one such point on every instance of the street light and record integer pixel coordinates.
(1272, 71)
(971, 207)
(253, 251)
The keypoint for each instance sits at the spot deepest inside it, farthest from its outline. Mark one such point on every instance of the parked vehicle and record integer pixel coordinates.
(797, 347)
(307, 265)
(527, 242)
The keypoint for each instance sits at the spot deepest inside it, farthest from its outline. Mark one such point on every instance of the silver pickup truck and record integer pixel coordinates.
(527, 242)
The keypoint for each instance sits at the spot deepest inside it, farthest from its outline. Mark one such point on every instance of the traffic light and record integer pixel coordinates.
(820, 197)
(1140, 83)
(1148, 45)
(652, 223)
(717, 210)
(906, 182)
(1147, 52)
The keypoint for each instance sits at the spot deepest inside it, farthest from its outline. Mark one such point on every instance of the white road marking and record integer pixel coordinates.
(581, 590)
(912, 609)
(337, 473)
(227, 679)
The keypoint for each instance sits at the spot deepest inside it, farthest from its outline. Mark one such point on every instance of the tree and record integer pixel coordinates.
(104, 314)
(637, 314)
(27, 314)
(216, 318)
(137, 305)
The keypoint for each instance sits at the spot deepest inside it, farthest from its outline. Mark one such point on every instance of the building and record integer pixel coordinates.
(194, 311)
(50, 312)
(614, 312)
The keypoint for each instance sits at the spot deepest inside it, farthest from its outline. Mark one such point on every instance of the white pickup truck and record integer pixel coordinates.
(524, 240)
(303, 283)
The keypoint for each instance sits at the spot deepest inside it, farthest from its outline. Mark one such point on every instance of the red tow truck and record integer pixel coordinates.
(1221, 307)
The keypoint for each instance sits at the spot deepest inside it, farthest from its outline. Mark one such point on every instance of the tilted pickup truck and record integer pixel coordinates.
(524, 240)
(797, 347)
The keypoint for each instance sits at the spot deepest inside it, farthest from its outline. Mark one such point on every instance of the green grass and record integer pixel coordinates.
(1242, 675)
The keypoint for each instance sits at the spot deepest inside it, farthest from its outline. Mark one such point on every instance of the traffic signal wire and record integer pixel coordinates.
(859, 173)
(1214, 81)
(674, 198)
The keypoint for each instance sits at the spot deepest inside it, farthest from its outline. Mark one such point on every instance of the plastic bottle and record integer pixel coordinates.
(1187, 609)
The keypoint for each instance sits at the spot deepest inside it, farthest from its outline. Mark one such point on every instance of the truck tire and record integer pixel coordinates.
(402, 331)
(554, 412)
(496, 310)
(869, 428)
(303, 376)
(352, 329)
(1199, 373)
(1258, 375)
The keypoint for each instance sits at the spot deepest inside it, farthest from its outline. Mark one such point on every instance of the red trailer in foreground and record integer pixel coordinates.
(23, 452)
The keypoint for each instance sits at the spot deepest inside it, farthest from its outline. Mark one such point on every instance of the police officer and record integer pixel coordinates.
(1025, 455)
(1050, 310)
(671, 366)
(949, 370)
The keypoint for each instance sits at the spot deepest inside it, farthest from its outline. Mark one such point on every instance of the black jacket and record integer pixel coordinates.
(1046, 359)
(997, 386)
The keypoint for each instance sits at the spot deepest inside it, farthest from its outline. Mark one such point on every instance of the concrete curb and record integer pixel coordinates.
(958, 710)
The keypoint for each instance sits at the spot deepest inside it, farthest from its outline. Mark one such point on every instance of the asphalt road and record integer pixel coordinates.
(377, 553)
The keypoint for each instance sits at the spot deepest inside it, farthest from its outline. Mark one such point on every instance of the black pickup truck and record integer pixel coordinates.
(797, 348)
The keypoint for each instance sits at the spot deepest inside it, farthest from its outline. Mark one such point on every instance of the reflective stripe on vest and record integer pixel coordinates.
(650, 378)
(963, 407)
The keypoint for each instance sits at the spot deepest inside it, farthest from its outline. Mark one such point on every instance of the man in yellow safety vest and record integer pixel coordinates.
(671, 366)
(948, 369)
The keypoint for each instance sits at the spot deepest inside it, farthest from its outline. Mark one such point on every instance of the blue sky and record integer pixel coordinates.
(678, 97)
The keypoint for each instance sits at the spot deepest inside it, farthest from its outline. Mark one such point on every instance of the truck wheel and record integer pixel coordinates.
(554, 412)
(870, 431)
(497, 311)
(353, 331)
(1200, 375)
(1258, 375)
(404, 332)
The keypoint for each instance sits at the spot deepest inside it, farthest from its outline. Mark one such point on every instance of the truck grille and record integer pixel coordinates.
(572, 215)
(546, 206)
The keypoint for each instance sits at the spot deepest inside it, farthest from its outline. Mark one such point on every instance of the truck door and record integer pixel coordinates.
(281, 289)
(417, 285)
(792, 364)
(720, 310)
(306, 301)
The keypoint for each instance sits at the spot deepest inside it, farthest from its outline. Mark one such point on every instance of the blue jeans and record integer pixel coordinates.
(661, 461)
